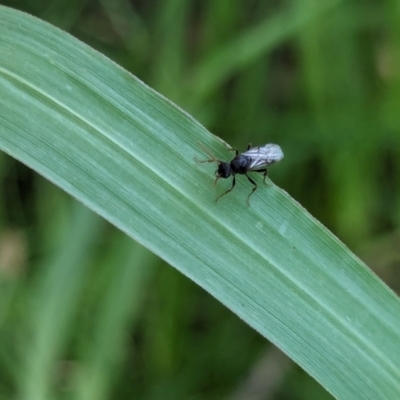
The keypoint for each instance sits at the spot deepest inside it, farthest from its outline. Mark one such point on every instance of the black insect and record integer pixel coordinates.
(254, 159)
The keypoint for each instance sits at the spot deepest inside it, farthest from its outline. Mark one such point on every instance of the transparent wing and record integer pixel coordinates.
(264, 155)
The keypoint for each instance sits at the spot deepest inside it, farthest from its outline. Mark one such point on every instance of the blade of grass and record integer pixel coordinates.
(129, 267)
(128, 154)
(171, 55)
(54, 303)
(219, 66)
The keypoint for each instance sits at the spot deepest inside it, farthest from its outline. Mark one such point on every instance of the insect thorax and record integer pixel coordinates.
(240, 164)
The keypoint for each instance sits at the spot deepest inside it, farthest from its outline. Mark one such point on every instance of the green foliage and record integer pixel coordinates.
(85, 311)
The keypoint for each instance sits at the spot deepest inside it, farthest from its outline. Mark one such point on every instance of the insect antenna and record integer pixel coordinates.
(211, 159)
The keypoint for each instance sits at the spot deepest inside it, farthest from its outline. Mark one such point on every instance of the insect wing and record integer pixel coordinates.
(264, 156)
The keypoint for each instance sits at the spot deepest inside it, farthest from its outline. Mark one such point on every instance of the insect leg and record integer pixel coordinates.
(265, 173)
(231, 148)
(254, 189)
(229, 190)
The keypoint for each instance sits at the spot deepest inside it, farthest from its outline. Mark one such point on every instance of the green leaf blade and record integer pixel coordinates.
(129, 154)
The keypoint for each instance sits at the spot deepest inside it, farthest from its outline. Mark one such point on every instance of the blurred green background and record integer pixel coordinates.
(320, 78)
